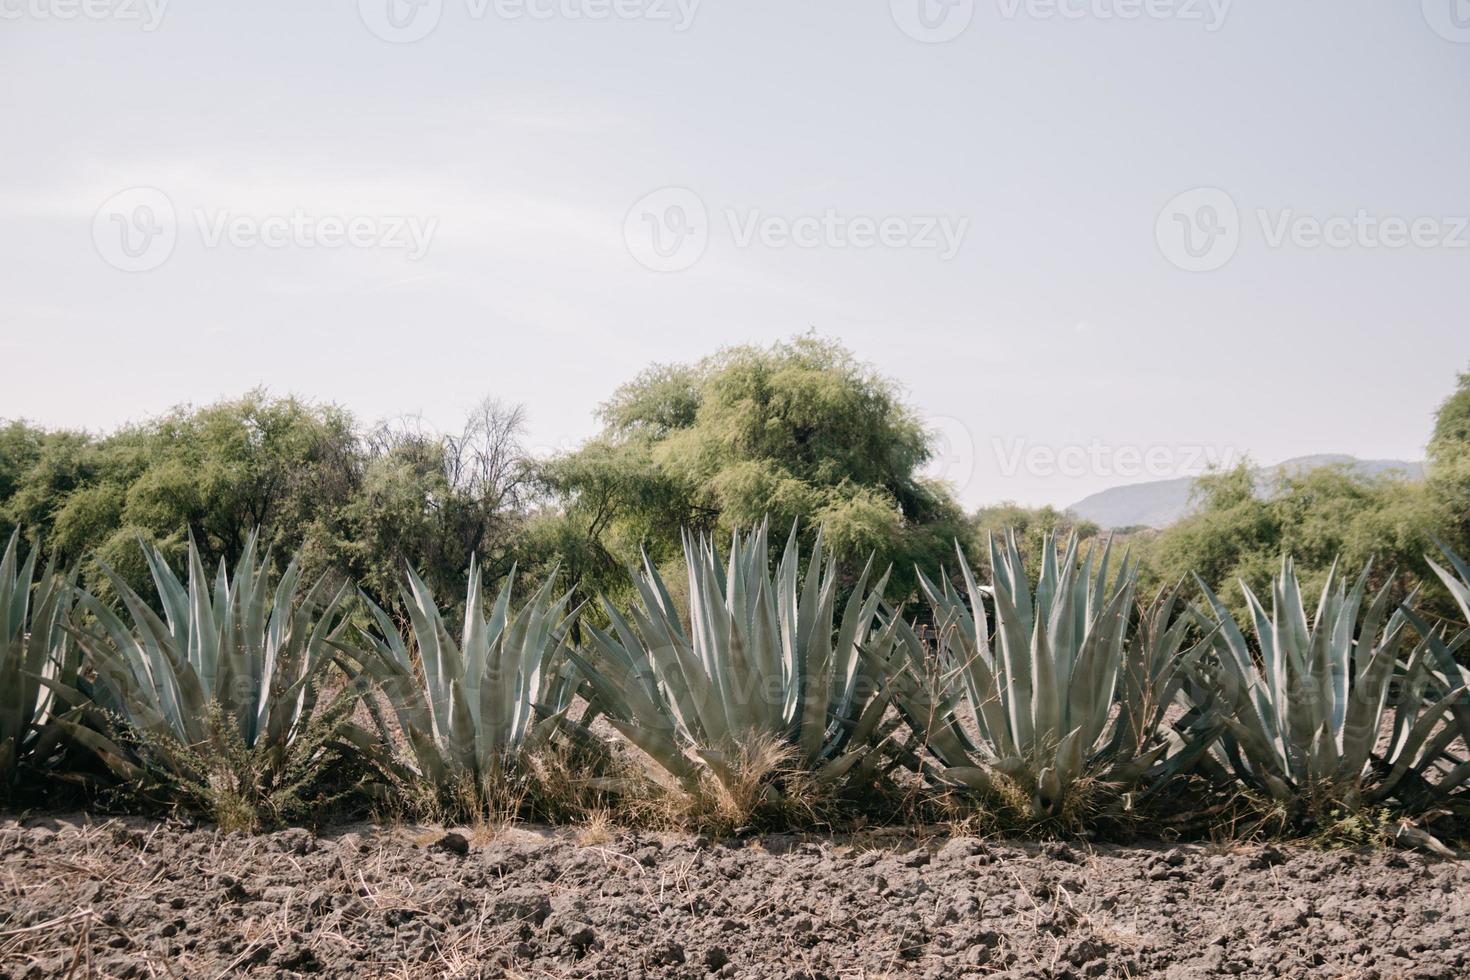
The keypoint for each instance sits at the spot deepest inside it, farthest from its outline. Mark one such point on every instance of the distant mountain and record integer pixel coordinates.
(1160, 503)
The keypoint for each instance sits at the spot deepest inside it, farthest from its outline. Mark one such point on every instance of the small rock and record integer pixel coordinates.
(453, 843)
(1286, 919)
(579, 935)
(959, 848)
(1267, 857)
(916, 858)
(294, 840)
(523, 904)
(666, 953)
(1058, 851)
(233, 888)
(294, 956)
(127, 837)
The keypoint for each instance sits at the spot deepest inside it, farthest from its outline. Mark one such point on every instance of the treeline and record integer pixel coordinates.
(359, 502)
(797, 432)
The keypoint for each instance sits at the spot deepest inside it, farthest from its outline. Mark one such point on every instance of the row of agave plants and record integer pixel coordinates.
(1030, 696)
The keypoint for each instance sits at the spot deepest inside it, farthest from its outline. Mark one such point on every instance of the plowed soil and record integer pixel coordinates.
(93, 898)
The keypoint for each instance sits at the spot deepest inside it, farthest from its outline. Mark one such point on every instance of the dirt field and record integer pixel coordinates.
(133, 899)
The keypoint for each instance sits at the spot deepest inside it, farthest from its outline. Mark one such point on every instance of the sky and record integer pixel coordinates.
(1095, 241)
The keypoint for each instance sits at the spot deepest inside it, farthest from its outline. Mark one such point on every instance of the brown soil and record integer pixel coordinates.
(82, 898)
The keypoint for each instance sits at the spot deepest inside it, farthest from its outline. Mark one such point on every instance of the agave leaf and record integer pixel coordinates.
(256, 653)
(39, 659)
(1307, 720)
(762, 660)
(505, 686)
(1059, 690)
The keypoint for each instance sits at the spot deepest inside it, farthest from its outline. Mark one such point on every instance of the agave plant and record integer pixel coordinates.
(1057, 694)
(232, 663)
(762, 663)
(1457, 581)
(478, 703)
(1450, 673)
(38, 660)
(1303, 721)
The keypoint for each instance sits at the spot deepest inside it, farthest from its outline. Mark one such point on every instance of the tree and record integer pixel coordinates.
(431, 501)
(1449, 464)
(1241, 529)
(1031, 526)
(797, 432)
(215, 473)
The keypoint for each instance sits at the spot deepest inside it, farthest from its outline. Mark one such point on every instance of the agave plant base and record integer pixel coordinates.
(1017, 804)
(315, 777)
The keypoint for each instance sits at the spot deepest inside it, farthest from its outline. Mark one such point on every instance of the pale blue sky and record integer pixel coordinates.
(518, 146)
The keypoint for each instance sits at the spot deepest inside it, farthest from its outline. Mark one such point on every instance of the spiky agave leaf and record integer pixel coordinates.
(470, 707)
(1056, 692)
(1303, 720)
(1449, 673)
(241, 649)
(38, 660)
(765, 656)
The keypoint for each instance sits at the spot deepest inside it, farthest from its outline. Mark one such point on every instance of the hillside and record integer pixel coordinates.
(1159, 503)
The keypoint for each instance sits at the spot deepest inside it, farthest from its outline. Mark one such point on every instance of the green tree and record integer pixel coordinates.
(431, 501)
(216, 473)
(363, 505)
(1239, 531)
(799, 431)
(1448, 473)
(1031, 525)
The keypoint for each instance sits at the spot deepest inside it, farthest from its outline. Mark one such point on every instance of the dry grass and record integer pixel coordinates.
(753, 785)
